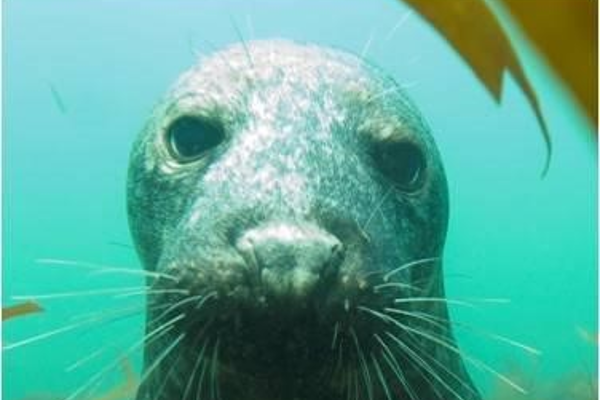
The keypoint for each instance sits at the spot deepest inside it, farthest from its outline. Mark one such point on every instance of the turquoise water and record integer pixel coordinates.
(80, 79)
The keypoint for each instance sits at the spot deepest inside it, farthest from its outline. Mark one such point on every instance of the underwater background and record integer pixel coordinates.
(81, 78)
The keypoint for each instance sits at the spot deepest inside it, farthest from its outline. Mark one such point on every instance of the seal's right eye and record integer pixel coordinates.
(188, 138)
(404, 163)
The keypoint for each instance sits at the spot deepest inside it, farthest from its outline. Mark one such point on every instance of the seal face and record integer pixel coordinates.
(291, 206)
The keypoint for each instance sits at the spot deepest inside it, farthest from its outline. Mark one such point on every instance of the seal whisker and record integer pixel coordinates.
(243, 42)
(96, 292)
(392, 362)
(403, 19)
(434, 360)
(439, 321)
(377, 208)
(445, 369)
(100, 269)
(409, 85)
(336, 328)
(355, 383)
(395, 285)
(197, 363)
(367, 45)
(384, 93)
(137, 308)
(459, 302)
(214, 372)
(410, 264)
(205, 299)
(94, 319)
(440, 340)
(363, 365)
(85, 359)
(153, 292)
(339, 365)
(168, 378)
(176, 305)
(419, 360)
(201, 380)
(380, 376)
(159, 359)
(145, 340)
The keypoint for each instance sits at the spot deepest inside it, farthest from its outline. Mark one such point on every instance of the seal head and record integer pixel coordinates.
(291, 207)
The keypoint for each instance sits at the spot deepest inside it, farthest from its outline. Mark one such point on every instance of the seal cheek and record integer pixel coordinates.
(291, 260)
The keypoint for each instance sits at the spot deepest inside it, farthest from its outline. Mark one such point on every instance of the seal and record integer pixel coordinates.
(290, 206)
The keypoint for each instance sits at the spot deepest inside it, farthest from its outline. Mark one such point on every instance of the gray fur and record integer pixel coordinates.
(303, 126)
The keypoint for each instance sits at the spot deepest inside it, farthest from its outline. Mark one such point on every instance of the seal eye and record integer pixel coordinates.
(188, 138)
(404, 163)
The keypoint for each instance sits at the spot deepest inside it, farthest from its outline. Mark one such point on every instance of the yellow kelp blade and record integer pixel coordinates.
(20, 310)
(566, 33)
(475, 33)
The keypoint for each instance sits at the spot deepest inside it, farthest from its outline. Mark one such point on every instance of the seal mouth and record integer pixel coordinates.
(278, 345)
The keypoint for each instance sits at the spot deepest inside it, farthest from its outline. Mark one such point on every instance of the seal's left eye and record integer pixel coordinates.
(188, 138)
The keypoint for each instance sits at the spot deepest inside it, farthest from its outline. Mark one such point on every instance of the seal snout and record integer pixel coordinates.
(291, 260)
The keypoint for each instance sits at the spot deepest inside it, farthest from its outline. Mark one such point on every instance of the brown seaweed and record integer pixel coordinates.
(473, 30)
(125, 390)
(21, 310)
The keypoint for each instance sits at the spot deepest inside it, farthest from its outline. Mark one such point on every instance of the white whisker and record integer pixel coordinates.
(377, 208)
(394, 285)
(363, 365)
(201, 380)
(434, 319)
(66, 328)
(367, 45)
(405, 266)
(409, 85)
(380, 376)
(476, 362)
(153, 292)
(84, 360)
(390, 358)
(147, 339)
(335, 335)
(384, 93)
(243, 42)
(398, 24)
(190, 382)
(434, 300)
(214, 372)
(160, 358)
(94, 292)
(178, 304)
(101, 268)
(418, 359)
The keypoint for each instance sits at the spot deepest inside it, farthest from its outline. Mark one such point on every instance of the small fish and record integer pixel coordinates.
(60, 104)
(20, 310)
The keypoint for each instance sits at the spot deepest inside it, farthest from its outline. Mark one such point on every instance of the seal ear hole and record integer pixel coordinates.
(188, 138)
(404, 163)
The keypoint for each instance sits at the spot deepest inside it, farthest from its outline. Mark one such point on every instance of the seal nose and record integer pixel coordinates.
(291, 260)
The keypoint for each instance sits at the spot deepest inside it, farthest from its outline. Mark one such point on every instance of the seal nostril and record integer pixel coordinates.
(291, 259)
